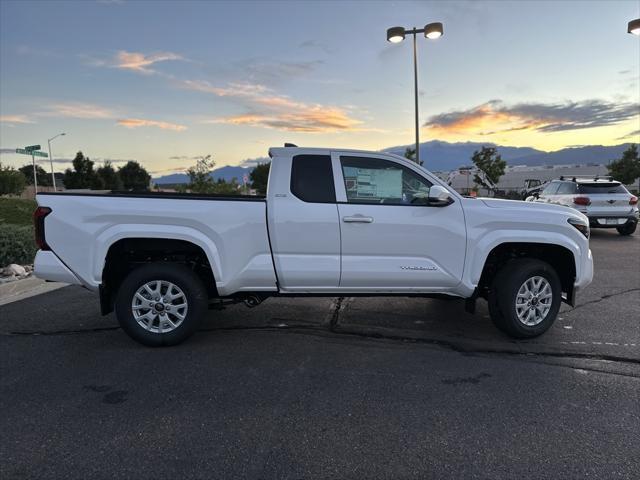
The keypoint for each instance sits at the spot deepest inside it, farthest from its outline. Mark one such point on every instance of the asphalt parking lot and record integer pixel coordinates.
(326, 388)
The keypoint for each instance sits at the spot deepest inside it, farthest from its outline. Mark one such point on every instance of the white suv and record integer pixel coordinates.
(606, 202)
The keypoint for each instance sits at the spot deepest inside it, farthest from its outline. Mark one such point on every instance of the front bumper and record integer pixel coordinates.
(49, 267)
(583, 279)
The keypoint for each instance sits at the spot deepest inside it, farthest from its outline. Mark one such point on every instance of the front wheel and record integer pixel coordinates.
(627, 229)
(161, 304)
(525, 298)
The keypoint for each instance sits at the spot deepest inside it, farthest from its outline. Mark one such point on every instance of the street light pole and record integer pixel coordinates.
(415, 93)
(396, 35)
(633, 27)
(53, 177)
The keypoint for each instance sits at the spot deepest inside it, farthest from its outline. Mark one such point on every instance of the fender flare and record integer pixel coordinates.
(479, 251)
(111, 235)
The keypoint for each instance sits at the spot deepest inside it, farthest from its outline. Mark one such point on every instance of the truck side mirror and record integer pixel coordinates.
(439, 196)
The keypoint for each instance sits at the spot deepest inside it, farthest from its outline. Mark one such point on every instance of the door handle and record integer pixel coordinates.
(357, 219)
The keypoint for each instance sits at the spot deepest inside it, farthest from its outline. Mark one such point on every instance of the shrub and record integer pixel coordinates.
(18, 211)
(17, 244)
(12, 182)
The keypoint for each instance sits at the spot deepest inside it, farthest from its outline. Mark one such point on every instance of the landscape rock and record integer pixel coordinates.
(14, 269)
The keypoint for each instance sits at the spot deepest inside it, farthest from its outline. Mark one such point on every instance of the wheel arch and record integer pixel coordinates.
(561, 258)
(126, 254)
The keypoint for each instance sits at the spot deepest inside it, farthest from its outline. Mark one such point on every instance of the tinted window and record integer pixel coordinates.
(551, 189)
(566, 188)
(373, 180)
(312, 178)
(602, 188)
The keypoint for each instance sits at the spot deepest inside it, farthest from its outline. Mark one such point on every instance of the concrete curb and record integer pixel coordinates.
(25, 288)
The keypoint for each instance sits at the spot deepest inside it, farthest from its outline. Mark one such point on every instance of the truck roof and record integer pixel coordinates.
(280, 151)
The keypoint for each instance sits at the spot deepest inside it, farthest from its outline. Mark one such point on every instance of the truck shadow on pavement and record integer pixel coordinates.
(73, 310)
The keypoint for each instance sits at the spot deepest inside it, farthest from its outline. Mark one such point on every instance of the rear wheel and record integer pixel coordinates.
(161, 304)
(627, 229)
(525, 298)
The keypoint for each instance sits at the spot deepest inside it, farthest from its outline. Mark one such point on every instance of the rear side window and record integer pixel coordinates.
(566, 188)
(312, 178)
(602, 188)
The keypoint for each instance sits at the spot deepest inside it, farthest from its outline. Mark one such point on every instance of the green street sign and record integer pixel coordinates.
(31, 148)
(24, 151)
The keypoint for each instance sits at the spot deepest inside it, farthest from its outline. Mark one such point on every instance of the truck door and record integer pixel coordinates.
(392, 239)
(303, 222)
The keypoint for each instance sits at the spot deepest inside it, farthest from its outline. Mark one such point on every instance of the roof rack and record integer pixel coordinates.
(588, 177)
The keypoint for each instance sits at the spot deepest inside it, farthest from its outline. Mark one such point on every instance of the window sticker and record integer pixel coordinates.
(373, 182)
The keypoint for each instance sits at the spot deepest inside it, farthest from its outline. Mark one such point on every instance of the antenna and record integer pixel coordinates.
(290, 145)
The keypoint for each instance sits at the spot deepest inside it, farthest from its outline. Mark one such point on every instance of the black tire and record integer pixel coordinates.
(184, 279)
(627, 229)
(504, 291)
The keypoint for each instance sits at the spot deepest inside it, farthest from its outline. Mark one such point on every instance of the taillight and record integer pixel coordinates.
(633, 200)
(584, 201)
(38, 223)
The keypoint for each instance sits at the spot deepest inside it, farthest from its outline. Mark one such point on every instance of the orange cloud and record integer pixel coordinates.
(496, 117)
(139, 122)
(10, 119)
(314, 120)
(269, 109)
(77, 110)
(139, 62)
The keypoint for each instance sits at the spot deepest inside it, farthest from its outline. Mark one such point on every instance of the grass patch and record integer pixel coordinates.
(16, 211)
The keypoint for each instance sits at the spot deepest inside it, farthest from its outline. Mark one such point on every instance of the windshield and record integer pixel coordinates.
(602, 188)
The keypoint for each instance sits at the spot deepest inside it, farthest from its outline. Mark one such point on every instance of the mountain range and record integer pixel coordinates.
(440, 156)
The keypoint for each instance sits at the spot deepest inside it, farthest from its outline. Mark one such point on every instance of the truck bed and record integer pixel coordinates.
(231, 231)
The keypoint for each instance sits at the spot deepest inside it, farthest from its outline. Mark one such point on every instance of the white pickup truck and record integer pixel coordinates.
(333, 223)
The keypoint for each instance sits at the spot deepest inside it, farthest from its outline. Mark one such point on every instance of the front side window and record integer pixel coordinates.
(373, 180)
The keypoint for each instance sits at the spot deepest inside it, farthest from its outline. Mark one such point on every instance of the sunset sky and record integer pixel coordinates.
(163, 82)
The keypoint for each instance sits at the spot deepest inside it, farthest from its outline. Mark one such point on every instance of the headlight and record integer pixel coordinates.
(582, 227)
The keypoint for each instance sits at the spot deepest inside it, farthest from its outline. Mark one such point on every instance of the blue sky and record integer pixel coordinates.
(163, 82)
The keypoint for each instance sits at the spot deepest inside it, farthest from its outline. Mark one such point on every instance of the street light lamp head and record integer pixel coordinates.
(433, 30)
(63, 134)
(634, 27)
(395, 34)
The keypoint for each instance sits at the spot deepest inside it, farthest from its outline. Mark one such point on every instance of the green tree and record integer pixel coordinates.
(200, 179)
(134, 176)
(259, 177)
(83, 175)
(222, 187)
(627, 168)
(12, 182)
(109, 177)
(410, 154)
(44, 179)
(490, 165)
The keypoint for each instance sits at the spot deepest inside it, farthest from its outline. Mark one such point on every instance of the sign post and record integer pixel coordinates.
(33, 150)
